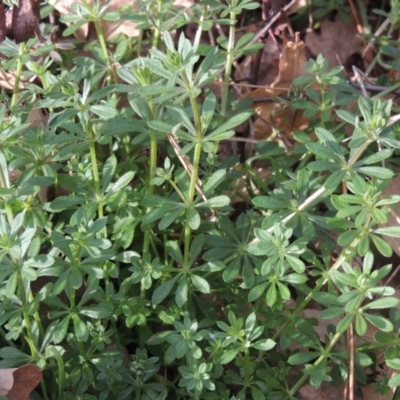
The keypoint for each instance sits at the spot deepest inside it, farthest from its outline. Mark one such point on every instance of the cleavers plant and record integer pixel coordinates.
(124, 271)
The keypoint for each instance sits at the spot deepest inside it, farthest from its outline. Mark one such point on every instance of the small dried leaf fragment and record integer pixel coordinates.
(272, 114)
(308, 392)
(25, 20)
(18, 383)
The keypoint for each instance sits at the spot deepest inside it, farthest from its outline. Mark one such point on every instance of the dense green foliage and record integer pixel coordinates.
(136, 280)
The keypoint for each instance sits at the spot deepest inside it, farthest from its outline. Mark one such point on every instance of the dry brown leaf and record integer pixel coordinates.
(336, 39)
(308, 392)
(268, 65)
(25, 20)
(272, 114)
(7, 80)
(18, 383)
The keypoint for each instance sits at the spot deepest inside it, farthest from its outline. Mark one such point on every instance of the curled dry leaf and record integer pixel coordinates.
(273, 114)
(18, 383)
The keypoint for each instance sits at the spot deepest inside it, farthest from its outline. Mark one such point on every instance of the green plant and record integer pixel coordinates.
(131, 277)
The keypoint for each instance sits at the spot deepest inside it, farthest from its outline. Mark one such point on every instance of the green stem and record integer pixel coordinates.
(323, 103)
(157, 29)
(27, 319)
(61, 371)
(18, 76)
(93, 158)
(246, 368)
(229, 58)
(192, 189)
(3, 184)
(200, 28)
(103, 46)
(44, 389)
(195, 171)
(150, 191)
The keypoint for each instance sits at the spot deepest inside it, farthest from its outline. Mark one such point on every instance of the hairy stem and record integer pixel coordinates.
(20, 64)
(229, 58)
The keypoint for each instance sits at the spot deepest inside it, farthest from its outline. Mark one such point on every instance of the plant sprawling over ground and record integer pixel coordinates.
(138, 263)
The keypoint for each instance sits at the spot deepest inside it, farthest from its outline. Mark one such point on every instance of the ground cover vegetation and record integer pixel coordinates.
(138, 263)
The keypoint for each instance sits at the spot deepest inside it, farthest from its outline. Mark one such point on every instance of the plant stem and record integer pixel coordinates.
(193, 178)
(61, 372)
(229, 58)
(103, 46)
(27, 319)
(200, 28)
(157, 29)
(93, 159)
(18, 77)
(150, 191)
(4, 183)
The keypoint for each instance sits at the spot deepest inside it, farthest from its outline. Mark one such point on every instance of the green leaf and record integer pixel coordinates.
(64, 202)
(257, 291)
(381, 323)
(378, 172)
(163, 291)
(296, 263)
(95, 312)
(346, 116)
(272, 295)
(344, 323)
(228, 356)
(264, 344)
(331, 312)
(200, 283)
(104, 111)
(181, 295)
(231, 123)
(218, 201)
(376, 157)
(393, 231)
(318, 374)
(250, 323)
(123, 181)
(382, 246)
(80, 329)
(61, 330)
(386, 302)
(174, 251)
(302, 357)
(194, 219)
(159, 338)
(394, 363)
(361, 324)
(394, 381)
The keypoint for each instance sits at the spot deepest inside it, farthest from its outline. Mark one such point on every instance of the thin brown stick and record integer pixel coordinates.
(355, 16)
